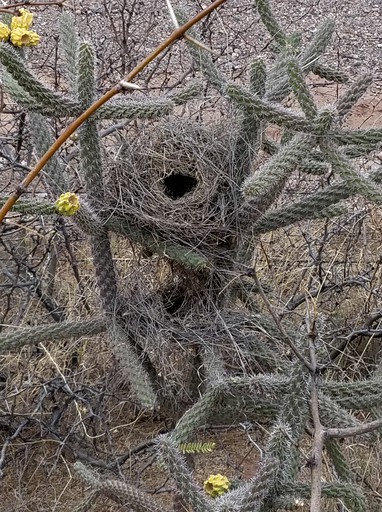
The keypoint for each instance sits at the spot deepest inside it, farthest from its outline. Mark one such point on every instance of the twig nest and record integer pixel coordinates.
(174, 179)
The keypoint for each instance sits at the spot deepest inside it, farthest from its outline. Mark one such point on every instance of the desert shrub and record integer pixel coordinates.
(201, 335)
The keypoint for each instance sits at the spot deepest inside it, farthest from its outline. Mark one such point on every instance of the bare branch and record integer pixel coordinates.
(353, 431)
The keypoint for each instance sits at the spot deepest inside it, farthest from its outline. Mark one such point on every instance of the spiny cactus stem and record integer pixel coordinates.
(117, 89)
(21, 189)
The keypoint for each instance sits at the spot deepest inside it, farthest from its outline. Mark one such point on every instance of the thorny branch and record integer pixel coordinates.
(338, 433)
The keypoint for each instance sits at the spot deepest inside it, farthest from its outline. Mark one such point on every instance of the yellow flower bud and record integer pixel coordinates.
(4, 32)
(67, 204)
(23, 20)
(216, 485)
(24, 37)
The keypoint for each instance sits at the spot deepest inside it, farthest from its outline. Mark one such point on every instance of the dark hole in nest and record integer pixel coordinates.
(177, 185)
(174, 304)
(174, 299)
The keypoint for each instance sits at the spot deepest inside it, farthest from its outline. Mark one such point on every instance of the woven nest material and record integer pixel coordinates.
(162, 321)
(174, 179)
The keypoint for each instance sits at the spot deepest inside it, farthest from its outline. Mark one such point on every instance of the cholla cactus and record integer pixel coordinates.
(67, 204)
(23, 20)
(216, 485)
(23, 37)
(19, 33)
(207, 233)
(4, 32)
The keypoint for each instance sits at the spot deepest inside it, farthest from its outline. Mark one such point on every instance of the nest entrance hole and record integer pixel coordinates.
(174, 299)
(177, 185)
(174, 306)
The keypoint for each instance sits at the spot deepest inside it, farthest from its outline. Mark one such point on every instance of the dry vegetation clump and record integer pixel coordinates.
(174, 178)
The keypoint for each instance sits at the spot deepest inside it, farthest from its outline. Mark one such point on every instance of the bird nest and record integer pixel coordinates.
(174, 179)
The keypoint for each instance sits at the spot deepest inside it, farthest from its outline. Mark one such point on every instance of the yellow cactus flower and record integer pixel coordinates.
(67, 204)
(24, 37)
(216, 485)
(23, 20)
(4, 32)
